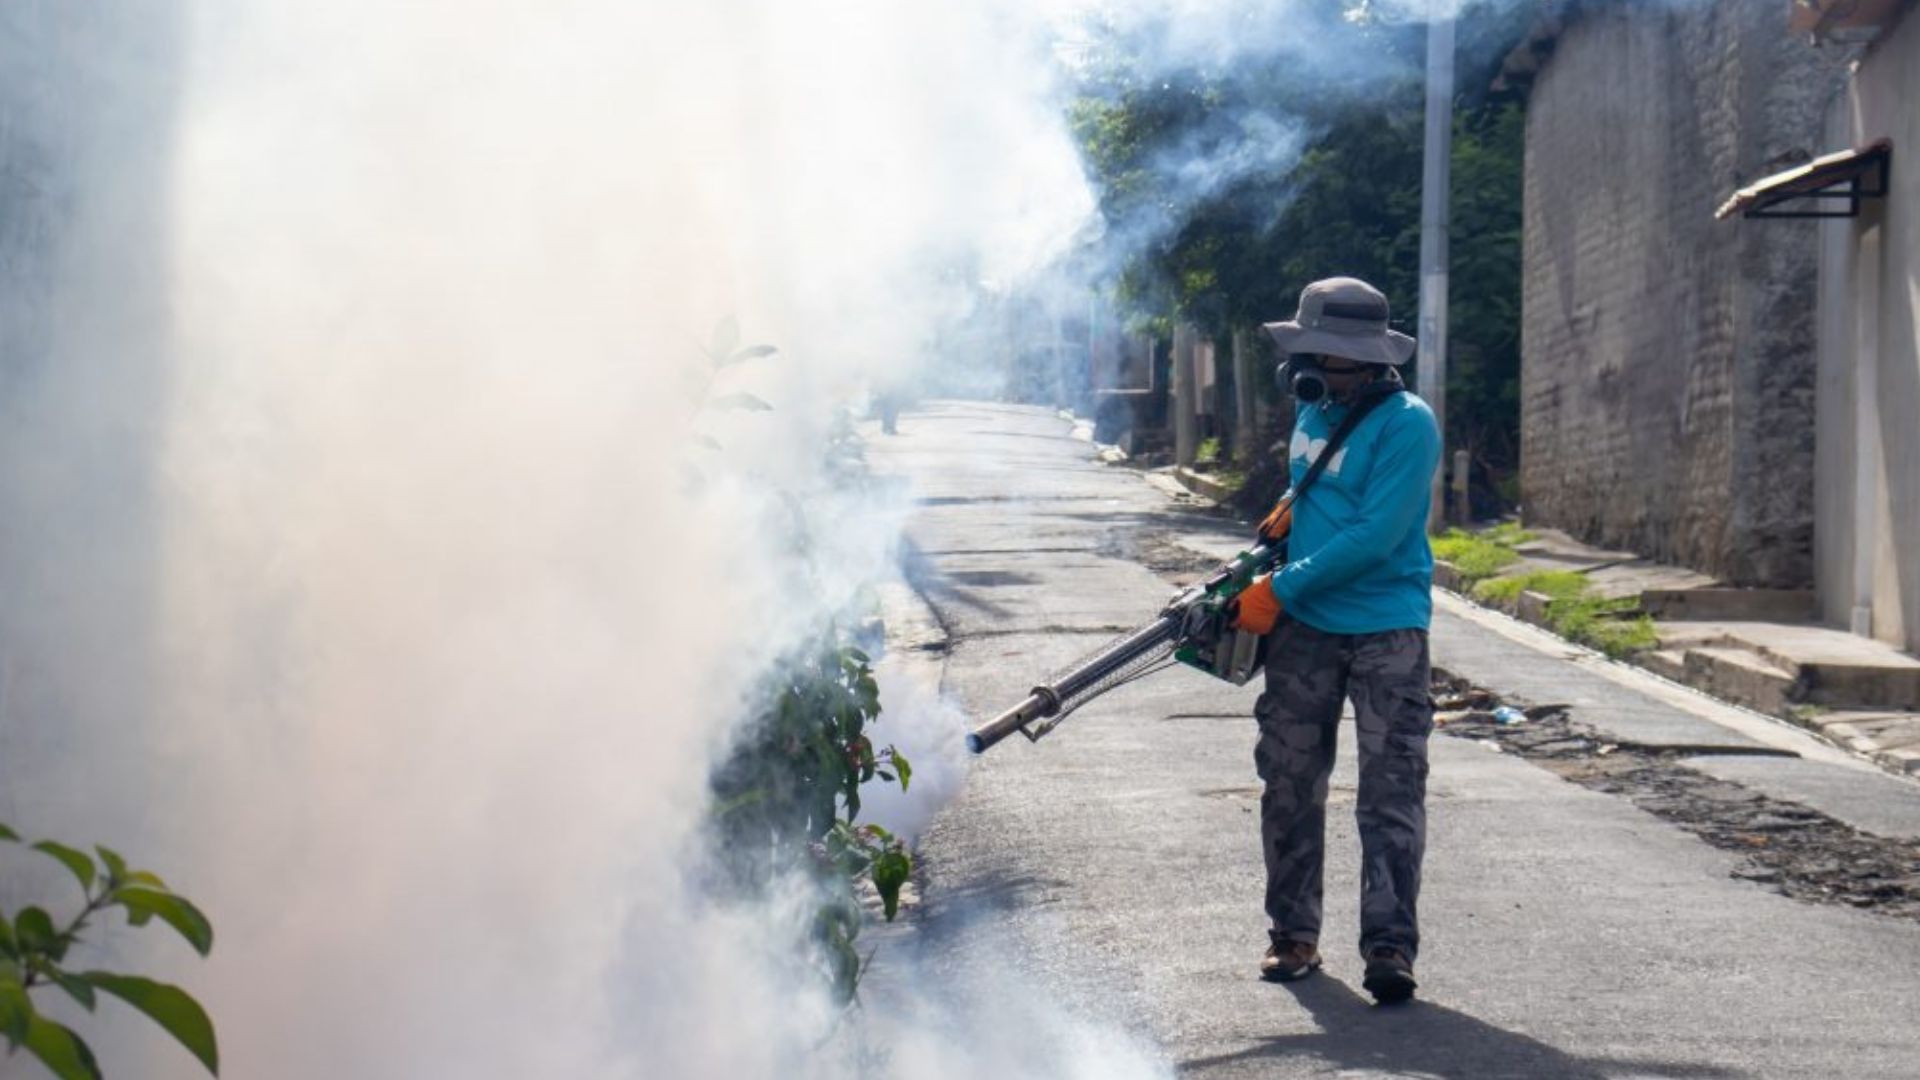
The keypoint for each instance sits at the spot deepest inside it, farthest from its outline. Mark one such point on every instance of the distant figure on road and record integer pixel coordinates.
(1347, 616)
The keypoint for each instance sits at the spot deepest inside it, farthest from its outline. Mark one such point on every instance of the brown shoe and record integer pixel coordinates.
(1287, 961)
(1389, 976)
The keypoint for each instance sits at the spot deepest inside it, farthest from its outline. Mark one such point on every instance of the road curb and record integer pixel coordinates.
(1705, 672)
(1202, 484)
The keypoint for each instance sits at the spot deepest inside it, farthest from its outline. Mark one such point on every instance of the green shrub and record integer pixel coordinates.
(1472, 554)
(1508, 488)
(788, 795)
(1506, 534)
(1614, 626)
(1557, 584)
(1207, 453)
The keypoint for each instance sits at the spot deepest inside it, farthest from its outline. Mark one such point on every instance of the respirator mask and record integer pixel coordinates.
(1302, 372)
(1307, 377)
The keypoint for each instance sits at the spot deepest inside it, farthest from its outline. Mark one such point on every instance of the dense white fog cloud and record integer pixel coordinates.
(406, 644)
(351, 569)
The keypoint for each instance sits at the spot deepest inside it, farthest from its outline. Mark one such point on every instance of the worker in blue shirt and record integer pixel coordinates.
(1346, 617)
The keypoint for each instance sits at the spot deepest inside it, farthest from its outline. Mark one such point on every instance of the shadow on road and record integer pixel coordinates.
(938, 587)
(1428, 1040)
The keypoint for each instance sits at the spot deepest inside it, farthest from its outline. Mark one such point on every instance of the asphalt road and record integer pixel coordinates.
(1112, 871)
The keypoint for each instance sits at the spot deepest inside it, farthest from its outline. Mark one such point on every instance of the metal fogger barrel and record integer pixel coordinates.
(1082, 682)
(1195, 630)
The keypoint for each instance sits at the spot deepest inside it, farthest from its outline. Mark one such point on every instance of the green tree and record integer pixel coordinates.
(1234, 252)
(1483, 374)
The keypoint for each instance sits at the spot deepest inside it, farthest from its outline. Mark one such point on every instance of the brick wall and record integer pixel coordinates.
(1668, 359)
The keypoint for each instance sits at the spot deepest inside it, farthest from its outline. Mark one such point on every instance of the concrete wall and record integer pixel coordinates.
(1668, 359)
(1868, 453)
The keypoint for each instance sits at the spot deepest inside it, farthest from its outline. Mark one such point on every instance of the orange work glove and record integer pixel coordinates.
(1278, 522)
(1256, 608)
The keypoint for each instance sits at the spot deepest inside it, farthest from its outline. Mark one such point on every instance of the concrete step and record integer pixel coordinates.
(1891, 738)
(1559, 560)
(1666, 663)
(1832, 683)
(1875, 730)
(1906, 759)
(1642, 576)
(1534, 607)
(1764, 680)
(1835, 667)
(1747, 605)
(1203, 484)
(1741, 677)
(1831, 667)
(1554, 545)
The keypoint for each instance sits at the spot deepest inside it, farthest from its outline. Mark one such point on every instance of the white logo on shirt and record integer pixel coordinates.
(1311, 449)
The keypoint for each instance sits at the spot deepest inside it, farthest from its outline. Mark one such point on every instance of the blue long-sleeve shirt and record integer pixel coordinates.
(1359, 561)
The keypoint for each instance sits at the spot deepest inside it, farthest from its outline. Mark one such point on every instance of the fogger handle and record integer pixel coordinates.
(1038, 704)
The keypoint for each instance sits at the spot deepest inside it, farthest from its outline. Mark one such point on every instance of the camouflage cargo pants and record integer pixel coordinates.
(1309, 674)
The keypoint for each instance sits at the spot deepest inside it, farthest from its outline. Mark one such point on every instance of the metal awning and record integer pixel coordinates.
(1848, 176)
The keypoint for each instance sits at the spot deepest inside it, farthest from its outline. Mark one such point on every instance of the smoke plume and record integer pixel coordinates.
(376, 559)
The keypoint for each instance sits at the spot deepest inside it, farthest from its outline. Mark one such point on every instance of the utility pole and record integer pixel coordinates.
(1435, 185)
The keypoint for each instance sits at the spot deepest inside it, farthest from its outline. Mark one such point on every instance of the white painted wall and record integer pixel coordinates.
(1835, 404)
(1867, 545)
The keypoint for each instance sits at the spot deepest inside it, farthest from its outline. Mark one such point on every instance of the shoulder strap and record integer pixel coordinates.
(1352, 420)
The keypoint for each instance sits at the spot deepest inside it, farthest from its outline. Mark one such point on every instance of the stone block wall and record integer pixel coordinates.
(1668, 358)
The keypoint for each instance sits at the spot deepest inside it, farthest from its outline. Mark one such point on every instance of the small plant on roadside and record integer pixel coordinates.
(789, 797)
(1614, 625)
(34, 953)
(1483, 554)
(848, 854)
(1506, 534)
(722, 352)
(1207, 453)
(1555, 584)
(1507, 487)
(1474, 556)
(1231, 479)
(1807, 713)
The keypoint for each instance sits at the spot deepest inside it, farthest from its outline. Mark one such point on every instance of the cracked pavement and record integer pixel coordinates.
(1114, 868)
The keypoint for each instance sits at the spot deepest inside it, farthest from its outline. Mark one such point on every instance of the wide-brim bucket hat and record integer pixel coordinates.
(1343, 316)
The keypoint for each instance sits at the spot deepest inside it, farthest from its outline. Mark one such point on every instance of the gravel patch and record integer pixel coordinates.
(1792, 849)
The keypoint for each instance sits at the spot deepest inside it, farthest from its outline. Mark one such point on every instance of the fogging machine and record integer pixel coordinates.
(1196, 629)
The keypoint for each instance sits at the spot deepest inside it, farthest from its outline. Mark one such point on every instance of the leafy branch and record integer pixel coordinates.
(723, 350)
(788, 795)
(33, 956)
(793, 788)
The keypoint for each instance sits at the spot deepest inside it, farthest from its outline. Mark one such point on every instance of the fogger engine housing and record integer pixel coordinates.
(1208, 641)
